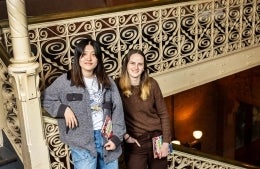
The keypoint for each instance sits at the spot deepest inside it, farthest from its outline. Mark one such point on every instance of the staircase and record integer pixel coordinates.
(8, 157)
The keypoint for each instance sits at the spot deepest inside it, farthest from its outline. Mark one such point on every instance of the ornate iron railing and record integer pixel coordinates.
(8, 107)
(9, 110)
(183, 157)
(59, 152)
(172, 36)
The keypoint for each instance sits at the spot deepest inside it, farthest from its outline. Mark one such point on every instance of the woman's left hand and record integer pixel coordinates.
(164, 150)
(110, 145)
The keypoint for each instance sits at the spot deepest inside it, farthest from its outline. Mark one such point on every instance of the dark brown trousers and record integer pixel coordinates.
(142, 157)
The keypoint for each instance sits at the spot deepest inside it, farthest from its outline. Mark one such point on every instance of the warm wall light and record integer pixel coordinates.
(176, 142)
(197, 134)
(196, 144)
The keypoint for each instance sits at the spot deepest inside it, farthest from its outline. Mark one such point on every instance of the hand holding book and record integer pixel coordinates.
(160, 149)
(107, 128)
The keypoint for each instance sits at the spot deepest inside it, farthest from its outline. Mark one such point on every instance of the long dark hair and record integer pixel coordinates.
(76, 75)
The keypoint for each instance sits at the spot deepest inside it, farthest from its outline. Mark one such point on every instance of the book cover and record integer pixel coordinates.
(157, 144)
(106, 129)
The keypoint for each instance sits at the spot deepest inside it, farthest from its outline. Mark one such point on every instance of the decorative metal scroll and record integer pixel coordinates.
(172, 36)
(59, 153)
(10, 111)
(181, 160)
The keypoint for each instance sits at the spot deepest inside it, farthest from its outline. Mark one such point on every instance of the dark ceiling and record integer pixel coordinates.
(41, 7)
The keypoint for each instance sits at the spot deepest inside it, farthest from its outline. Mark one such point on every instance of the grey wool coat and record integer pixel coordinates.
(61, 94)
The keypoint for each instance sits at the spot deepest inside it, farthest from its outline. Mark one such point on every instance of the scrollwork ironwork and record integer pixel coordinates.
(10, 110)
(176, 35)
(181, 160)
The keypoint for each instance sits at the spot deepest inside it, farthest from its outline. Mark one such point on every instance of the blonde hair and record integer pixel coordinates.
(124, 81)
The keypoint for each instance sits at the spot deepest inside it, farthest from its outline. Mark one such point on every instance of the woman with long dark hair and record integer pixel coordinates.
(88, 107)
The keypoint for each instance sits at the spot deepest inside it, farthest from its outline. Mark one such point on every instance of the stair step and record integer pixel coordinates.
(6, 156)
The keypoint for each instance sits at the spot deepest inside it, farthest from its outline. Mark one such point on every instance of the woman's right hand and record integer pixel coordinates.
(129, 139)
(71, 120)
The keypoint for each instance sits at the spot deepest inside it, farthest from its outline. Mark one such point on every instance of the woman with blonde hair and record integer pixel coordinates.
(146, 115)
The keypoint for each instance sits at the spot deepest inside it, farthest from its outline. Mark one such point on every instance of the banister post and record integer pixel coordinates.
(25, 72)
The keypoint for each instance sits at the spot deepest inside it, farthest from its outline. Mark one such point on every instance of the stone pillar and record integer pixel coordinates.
(25, 71)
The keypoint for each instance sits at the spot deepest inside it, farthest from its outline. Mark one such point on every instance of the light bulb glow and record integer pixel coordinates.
(197, 134)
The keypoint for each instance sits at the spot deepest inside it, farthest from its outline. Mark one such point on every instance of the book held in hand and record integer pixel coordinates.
(157, 144)
(106, 129)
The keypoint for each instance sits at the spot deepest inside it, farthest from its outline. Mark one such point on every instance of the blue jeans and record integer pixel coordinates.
(82, 159)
